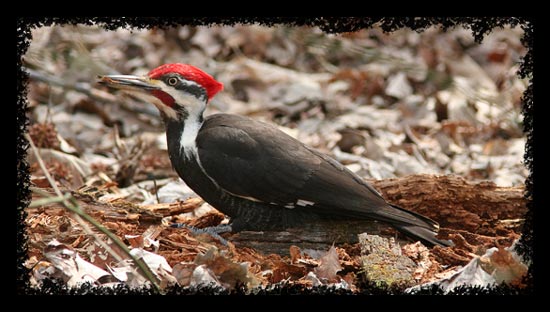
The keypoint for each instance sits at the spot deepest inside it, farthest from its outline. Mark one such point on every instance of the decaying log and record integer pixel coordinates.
(456, 203)
(481, 208)
(313, 235)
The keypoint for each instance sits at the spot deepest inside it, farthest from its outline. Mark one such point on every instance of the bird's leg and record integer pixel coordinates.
(213, 231)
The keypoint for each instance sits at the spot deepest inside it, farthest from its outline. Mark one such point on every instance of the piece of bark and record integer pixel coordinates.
(171, 209)
(212, 218)
(120, 210)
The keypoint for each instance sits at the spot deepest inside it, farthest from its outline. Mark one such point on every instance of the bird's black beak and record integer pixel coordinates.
(128, 82)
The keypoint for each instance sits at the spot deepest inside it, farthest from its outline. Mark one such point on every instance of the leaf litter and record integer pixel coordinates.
(385, 105)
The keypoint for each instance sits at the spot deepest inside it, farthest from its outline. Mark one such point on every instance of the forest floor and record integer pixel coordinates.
(432, 119)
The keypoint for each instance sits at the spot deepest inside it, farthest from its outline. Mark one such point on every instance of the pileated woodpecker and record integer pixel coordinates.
(251, 171)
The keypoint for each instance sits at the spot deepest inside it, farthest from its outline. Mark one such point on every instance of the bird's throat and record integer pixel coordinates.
(188, 136)
(181, 135)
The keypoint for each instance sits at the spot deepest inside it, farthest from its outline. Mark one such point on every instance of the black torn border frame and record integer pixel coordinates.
(479, 28)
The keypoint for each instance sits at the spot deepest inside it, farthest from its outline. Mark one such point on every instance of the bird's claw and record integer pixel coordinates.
(213, 231)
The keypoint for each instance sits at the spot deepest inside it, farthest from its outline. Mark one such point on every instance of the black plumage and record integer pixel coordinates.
(264, 179)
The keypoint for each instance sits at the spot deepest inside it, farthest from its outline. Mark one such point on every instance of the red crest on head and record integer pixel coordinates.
(189, 72)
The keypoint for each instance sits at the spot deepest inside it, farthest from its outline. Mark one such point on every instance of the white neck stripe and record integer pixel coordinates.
(189, 136)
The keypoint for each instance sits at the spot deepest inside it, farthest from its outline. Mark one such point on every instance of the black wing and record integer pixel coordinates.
(254, 160)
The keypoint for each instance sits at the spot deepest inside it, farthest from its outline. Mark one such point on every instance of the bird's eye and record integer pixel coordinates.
(172, 81)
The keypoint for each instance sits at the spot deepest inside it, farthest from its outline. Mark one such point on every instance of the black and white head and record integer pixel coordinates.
(179, 91)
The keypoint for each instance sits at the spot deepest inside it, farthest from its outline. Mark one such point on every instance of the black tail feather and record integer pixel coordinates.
(415, 226)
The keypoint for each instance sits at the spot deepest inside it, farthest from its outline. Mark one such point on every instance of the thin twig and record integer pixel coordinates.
(70, 203)
(49, 200)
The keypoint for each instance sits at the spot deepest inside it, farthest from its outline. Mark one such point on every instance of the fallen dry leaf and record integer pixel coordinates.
(329, 265)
